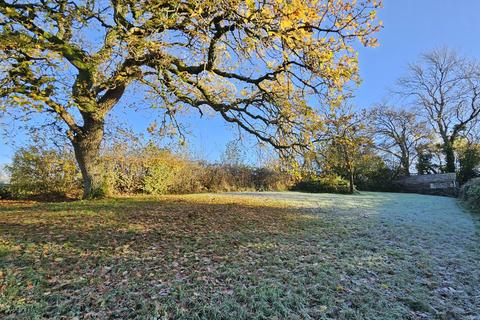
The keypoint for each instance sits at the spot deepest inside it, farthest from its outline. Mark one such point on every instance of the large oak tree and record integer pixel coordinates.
(257, 64)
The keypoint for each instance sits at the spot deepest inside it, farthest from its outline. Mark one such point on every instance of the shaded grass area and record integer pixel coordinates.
(370, 256)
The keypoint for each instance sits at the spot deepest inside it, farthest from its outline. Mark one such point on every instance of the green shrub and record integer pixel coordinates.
(375, 180)
(470, 193)
(122, 175)
(267, 179)
(326, 183)
(372, 174)
(154, 170)
(473, 196)
(37, 171)
(159, 177)
(149, 169)
(5, 192)
(469, 161)
(228, 177)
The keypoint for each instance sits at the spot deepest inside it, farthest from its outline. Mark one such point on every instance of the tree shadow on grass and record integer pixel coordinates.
(82, 253)
(109, 223)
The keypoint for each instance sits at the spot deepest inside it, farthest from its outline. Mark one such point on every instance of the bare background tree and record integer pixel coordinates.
(398, 133)
(445, 88)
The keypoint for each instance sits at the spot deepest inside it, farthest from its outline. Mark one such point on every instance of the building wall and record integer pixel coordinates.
(444, 184)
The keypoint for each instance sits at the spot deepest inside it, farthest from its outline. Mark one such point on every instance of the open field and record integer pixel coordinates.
(241, 256)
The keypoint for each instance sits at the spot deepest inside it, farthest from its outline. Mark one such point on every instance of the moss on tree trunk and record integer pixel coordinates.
(449, 152)
(87, 153)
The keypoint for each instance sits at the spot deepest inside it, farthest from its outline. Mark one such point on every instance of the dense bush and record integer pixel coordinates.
(149, 169)
(326, 183)
(37, 171)
(373, 174)
(142, 170)
(469, 162)
(5, 192)
(267, 179)
(473, 196)
(41, 172)
(470, 193)
(48, 173)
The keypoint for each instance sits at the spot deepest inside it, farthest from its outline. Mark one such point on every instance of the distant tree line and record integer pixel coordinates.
(440, 131)
(436, 131)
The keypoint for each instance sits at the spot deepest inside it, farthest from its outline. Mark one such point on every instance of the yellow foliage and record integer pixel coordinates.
(258, 64)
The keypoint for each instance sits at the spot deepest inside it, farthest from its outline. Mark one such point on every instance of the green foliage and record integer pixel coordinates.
(225, 177)
(5, 192)
(159, 177)
(149, 169)
(469, 160)
(325, 183)
(156, 171)
(470, 193)
(39, 171)
(268, 179)
(153, 170)
(474, 195)
(425, 155)
(424, 163)
(373, 174)
(348, 140)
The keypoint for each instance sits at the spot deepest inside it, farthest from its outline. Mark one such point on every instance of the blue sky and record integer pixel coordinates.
(411, 27)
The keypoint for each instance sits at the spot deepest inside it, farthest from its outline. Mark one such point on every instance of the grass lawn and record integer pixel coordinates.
(250, 256)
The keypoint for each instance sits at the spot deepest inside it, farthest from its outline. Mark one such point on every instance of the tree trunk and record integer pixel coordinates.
(449, 157)
(352, 181)
(87, 152)
(405, 165)
(405, 162)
